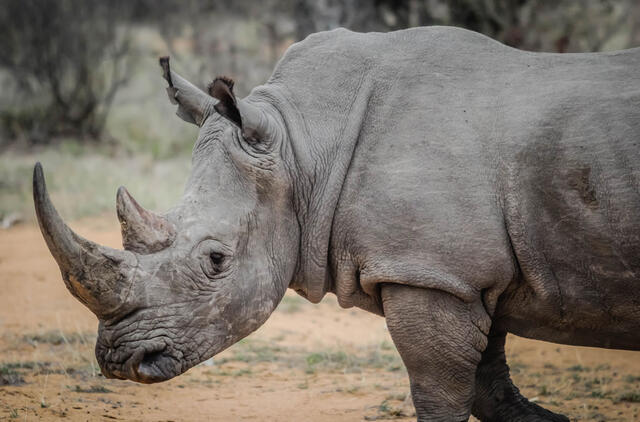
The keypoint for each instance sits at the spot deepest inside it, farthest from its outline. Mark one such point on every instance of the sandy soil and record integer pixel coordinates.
(307, 363)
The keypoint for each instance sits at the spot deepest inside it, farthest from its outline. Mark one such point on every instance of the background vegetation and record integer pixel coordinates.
(82, 90)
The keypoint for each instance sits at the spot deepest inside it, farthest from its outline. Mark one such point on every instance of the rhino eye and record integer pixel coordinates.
(216, 264)
(216, 259)
(213, 258)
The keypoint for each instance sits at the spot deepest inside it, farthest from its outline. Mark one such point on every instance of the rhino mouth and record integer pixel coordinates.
(157, 367)
(145, 366)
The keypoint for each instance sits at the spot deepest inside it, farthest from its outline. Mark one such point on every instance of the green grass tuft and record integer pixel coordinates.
(91, 389)
(9, 375)
(578, 368)
(57, 337)
(629, 397)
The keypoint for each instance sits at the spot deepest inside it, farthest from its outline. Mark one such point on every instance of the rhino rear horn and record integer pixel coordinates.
(142, 231)
(194, 105)
(98, 276)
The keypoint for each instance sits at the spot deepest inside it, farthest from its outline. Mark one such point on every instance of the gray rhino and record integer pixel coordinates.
(461, 188)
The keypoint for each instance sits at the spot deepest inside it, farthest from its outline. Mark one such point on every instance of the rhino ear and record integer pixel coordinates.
(194, 105)
(222, 89)
(248, 117)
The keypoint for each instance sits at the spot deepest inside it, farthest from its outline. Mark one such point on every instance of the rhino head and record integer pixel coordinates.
(197, 279)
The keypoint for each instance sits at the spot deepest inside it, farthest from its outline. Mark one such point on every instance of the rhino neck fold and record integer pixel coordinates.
(320, 149)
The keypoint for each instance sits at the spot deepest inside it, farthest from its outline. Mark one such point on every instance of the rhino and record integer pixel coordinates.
(458, 187)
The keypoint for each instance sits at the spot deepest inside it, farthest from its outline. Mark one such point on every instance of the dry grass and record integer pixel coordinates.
(69, 355)
(83, 186)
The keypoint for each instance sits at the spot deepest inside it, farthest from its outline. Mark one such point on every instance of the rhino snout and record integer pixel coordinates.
(147, 364)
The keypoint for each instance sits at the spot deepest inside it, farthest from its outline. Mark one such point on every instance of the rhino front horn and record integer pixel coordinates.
(142, 231)
(98, 276)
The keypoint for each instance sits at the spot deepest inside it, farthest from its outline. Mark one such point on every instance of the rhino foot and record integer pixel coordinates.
(497, 399)
(509, 405)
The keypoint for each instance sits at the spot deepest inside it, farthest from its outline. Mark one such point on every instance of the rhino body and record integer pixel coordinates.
(478, 169)
(461, 188)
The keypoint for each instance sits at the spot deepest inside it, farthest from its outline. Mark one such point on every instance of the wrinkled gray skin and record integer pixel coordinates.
(460, 188)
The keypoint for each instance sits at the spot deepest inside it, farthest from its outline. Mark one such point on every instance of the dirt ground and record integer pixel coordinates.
(307, 363)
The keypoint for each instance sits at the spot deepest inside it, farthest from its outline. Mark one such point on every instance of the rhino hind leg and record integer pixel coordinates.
(497, 399)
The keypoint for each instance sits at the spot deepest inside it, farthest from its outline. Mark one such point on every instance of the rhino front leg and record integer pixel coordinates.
(440, 339)
(497, 399)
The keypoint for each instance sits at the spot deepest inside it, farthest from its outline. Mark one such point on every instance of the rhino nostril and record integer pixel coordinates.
(152, 358)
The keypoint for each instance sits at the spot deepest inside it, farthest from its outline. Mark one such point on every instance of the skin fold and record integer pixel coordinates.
(458, 187)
